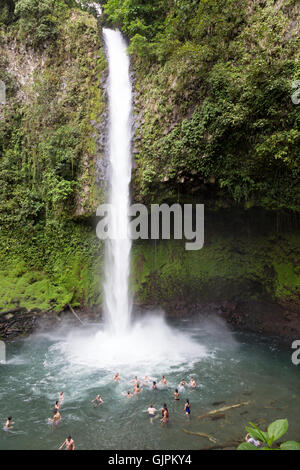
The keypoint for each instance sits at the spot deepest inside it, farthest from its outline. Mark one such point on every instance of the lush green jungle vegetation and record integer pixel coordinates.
(215, 123)
(215, 82)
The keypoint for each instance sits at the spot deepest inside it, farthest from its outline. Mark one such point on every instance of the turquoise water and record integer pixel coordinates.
(228, 367)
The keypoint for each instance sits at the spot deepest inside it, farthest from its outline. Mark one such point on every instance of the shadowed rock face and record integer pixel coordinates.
(16, 323)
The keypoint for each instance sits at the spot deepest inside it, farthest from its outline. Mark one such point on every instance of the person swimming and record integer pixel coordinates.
(117, 377)
(69, 444)
(56, 418)
(164, 380)
(98, 401)
(8, 424)
(182, 383)
(128, 394)
(146, 380)
(137, 389)
(193, 383)
(187, 408)
(57, 405)
(176, 394)
(61, 397)
(154, 386)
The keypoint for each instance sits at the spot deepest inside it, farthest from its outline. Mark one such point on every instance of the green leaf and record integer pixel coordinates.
(257, 433)
(290, 445)
(246, 446)
(277, 429)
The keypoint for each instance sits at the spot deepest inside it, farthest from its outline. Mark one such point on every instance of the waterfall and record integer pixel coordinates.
(117, 301)
(147, 345)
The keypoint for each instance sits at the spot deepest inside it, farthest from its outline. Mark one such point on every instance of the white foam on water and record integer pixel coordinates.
(150, 346)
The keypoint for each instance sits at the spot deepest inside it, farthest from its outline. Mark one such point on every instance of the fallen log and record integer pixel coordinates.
(201, 434)
(75, 314)
(218, 416)
(226, 445)
(224, 408)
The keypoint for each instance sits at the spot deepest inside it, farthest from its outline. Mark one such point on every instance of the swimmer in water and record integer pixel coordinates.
(164, 380)
(137, 389)
(128, 394)
(57, 405)
(98, 401)
(61, 397)
(116, 377)
(152, 412)
(56, 418)
(165, 415)
(176, 394)
(69, 444)
(193, 383)
(154, 386)
(146, 380)
(135, 381)
(187, 408)
(9, 423)
(182, 383)
(163, 408)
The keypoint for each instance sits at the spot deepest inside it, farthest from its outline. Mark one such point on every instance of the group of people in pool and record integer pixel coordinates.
(164, 410)
(56, 413)
(69, 443)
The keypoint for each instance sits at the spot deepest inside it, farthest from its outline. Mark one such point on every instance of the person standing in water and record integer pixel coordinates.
(176, 395)
(163, 408)
(154, 386)
(69, 444)
(152, 412)
(128, 394)
(57, 405)
(61, 397)
(9, 423)
(117, 377)
(165, 415)
(187, 408)
(98, 401)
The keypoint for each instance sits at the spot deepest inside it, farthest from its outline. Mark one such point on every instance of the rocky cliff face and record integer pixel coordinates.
(55, 89)
(50, 151)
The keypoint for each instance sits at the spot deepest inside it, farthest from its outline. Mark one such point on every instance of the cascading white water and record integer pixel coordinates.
(117, 302)
(148, 344)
